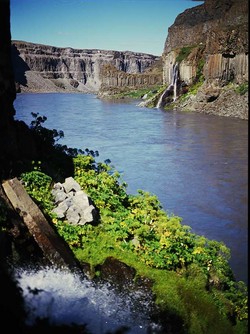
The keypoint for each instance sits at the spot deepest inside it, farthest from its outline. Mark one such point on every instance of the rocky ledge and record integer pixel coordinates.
(220, 101)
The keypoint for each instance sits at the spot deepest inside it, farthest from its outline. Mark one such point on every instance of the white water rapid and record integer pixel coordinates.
(65, 298)
(171, 87)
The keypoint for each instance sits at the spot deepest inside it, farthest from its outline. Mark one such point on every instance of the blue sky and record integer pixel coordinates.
(134, 25)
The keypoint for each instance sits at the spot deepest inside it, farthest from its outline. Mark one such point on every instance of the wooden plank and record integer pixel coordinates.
(53, 246)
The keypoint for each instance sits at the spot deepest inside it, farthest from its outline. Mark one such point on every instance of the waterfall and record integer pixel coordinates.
(65, 298)
(172, 88)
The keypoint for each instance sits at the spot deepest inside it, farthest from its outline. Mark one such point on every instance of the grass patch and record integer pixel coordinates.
(137, 93)
(242, 88)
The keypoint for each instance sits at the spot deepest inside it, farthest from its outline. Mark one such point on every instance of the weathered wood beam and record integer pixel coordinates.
(54, 248)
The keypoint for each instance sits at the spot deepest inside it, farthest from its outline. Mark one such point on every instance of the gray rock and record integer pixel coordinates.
(82, 69)
(50, 243)
(60, 196)
(82, 221)
(72, 215)
(57, 187)
(88, 214)
(73, 204)
(71, 184)
(61, 209)
(81, 199)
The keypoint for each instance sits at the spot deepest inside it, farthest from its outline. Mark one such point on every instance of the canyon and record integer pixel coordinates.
(17, 145)
(209, 42)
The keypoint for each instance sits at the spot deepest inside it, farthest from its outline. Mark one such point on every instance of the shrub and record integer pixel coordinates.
(38, 186)
(136, 230)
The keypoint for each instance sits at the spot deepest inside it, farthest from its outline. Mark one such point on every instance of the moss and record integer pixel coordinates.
(199, 72)
(184, 53)
(181, 297)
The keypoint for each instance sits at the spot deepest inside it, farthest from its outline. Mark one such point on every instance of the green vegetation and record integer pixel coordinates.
(197, 83)
(153, 98)
(242, 89)
(37, 180)
(199, 73)
(190, 272)
(192, 90)
(184, 53)
(137, 93)
(192, 279)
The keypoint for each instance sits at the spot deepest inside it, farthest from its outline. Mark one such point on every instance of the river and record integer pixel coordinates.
(196, 164)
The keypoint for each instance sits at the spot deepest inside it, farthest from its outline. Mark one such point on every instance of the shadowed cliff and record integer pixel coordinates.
(12, 314)
(18, 147)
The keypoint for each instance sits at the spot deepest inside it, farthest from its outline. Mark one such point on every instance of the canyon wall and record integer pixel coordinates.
(113, 77)
(216, 31)
(42, 67)
(210, 44)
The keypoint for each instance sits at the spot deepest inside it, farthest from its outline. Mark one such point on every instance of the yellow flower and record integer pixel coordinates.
(167, 233)
(198, 250)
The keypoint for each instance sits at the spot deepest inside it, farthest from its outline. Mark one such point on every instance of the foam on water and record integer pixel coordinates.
(65, 298)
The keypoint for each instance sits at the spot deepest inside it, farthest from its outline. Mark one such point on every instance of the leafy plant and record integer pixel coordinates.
(38, 186)
(242, 88)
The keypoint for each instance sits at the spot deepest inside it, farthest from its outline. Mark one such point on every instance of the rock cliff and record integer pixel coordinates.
(7, 87)
(11, 302)
(41, 67)
(14, 136)
(210, 43)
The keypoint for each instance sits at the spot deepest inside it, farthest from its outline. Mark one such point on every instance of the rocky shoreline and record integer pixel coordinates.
(223, 101)
(219, 101)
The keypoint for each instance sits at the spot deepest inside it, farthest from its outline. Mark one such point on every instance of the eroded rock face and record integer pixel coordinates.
(214, 36)
(43, 67)
(217, 32)
(221, 26)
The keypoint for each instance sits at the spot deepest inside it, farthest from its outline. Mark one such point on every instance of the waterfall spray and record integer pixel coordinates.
(171, 88)
(66, 298)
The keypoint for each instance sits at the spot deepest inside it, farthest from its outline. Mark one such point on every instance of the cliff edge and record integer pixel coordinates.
(210, 44)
